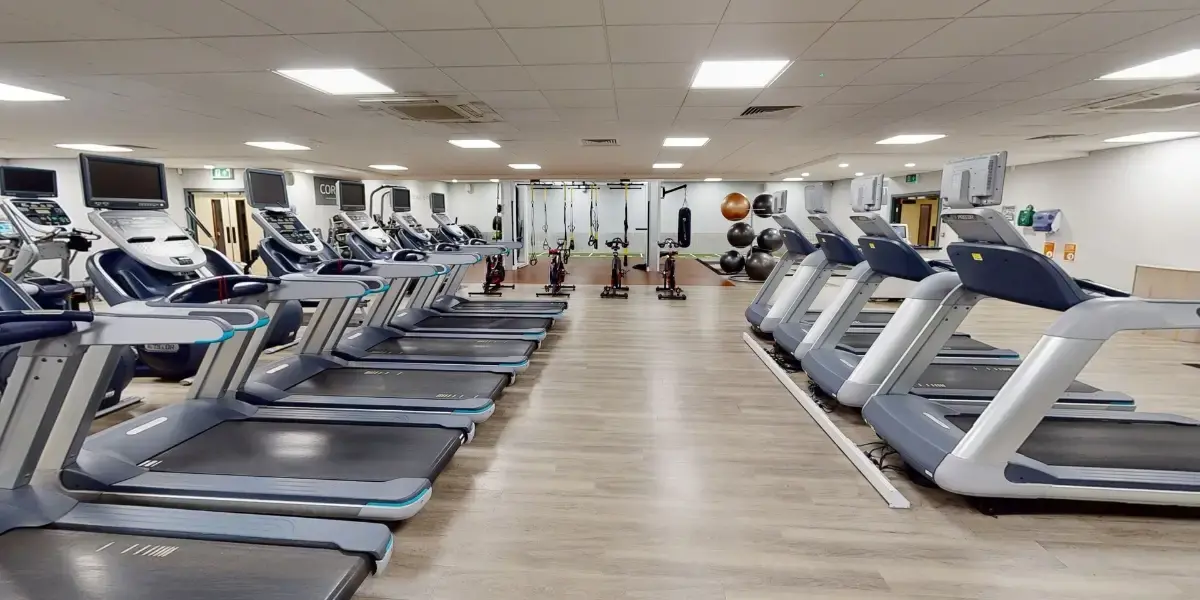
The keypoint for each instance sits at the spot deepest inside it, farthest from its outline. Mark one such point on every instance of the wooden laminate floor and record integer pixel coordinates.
(648, 454)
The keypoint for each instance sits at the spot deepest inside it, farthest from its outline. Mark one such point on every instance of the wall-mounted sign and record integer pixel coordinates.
(912, 178)
(1048, 249)
(1009, 211)
(325, 190)
(222, 173)
(1069, 252)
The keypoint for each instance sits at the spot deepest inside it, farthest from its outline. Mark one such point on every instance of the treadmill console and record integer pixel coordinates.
(444, 222)
(151, 237)
(366, 228)
(43, 213)
(413, 226)
(285, 227)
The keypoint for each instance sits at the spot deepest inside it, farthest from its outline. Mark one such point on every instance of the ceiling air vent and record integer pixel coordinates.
(432, 109)
(1053, 137)
(1166, 99)
(768, 112)
(599, 142)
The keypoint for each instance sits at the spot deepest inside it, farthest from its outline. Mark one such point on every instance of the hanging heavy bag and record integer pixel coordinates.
(685, 227)
(1025, 219)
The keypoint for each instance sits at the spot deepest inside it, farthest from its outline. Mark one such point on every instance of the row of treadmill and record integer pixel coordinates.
(979, 421)
(233, 492)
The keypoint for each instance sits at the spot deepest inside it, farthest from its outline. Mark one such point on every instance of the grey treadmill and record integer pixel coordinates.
(54, 545)
(216, 451)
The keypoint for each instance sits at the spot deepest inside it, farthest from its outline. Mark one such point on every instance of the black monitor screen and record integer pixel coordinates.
(266, 189)
(122, 183)
(437, 203)
(401, 200)
(23, 182)
(352, 196)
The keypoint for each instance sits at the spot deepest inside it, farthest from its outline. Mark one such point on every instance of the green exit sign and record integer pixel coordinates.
(911, 178)
(222, 173)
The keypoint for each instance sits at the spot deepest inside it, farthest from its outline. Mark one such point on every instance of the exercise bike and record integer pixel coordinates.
(558, 273)
(670, 289)
(493, 277)
(616, 287)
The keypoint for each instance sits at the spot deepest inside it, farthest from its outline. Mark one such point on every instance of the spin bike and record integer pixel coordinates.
(616, 287)
(670, 289)
(558, 272)
(493, 278)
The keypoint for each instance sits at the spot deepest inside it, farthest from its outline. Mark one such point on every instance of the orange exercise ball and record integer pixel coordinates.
(735, 206)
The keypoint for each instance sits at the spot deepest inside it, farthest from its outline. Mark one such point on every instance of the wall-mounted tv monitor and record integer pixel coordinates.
(437, 203)
(122, 183)
(352, 196)
(401, 200)
(266, 189)
(24, 182)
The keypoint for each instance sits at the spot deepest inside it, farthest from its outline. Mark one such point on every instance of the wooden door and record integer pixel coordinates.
(249, 234)
(924, 231)
(210, 211)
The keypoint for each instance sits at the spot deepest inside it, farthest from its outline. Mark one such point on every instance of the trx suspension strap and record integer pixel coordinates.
(594, 219)
(625, 241)
(498, 220)
(545, 218)
(571, 229)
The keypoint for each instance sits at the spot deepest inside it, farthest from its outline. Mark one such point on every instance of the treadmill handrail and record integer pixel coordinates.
(226, 287)
(45, 316)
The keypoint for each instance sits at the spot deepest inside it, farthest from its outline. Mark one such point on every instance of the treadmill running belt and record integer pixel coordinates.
(510, 305)
(863, 318)
(54, 564)
(975, 377)
(454, 347)
(314, 451)
(382, 383)
(1108, 444)
(453, 322)
(958, 343)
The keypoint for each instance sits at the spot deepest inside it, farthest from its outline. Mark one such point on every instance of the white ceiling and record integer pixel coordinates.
(191, 79)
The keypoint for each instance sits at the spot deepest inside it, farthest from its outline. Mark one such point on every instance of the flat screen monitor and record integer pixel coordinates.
(24, 182)
(437, 203)
(352, 196)
(122, 183)
(401, 200)
(266, 189)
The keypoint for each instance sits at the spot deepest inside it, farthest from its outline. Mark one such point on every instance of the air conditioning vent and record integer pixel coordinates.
(1052, 137)
(1166, 99)
(599, 142)
(769, 112)
(432, 109)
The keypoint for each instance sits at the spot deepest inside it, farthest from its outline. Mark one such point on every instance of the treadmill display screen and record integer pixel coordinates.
(437, 203)
(352, 196)
(23, 182)
(401, 200)
(266, 189)
(122, 183)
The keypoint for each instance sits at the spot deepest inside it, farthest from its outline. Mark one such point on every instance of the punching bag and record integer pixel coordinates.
(685, 227)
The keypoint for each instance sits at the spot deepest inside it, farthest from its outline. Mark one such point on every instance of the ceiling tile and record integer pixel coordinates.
(233, 87)
(1015, 90)
(688, 113)
(1136, 5)
(462, 48)
(118, 57)
(499, 100)
(866, 94)
(654, 75)
(720, 97)
(959, 110)
(878, 39)
(912, 70)
(802, 96)
(896, 109)
(309, 16)
(742, 41)
(1161, 42)
(557, 45)
(193, 17)
(429, 81)
(1004, 68)
(580, 98)
(424, 14)
(486, 79)
(885, 10)
(271, 52)
(647, 113)
(587, 114)
(824, 72)
(1098, 90)
(944, 92)
(538, 13)
(980, 37)
(786, 11)
(518, 115)
(651, 97)
(1087, 33)
(364, 50)
(1084, 68)
(659, 43)
(663, 12)
(572, 77)
(71, 19)
(993, 8)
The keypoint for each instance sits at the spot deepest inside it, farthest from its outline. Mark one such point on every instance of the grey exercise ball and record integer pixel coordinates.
(732, 262)
(759, 265)
(740, 235)
(763, 205)
(770, 239)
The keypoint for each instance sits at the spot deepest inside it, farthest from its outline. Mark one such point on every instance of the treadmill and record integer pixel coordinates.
(765, 312)
(54, 545)
(444, 371)
(215, 451)
(1018, 447)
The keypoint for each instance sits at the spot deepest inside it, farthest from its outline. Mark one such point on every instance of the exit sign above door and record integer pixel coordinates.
(911, 178)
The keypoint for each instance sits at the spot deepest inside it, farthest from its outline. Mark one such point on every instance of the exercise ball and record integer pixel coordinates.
(740, 235)
(759, 265)
(735, 206)
(770, 239)
(732, 262)
(764, 205)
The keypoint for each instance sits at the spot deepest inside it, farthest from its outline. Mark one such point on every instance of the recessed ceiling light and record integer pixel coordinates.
(309, 171)
(209, 167)
(685, 142)
(793, 179)
(713, 179)
(1151, 136)
(910, 165)
(495, 181)
(806, 174)
(844, 165)
(12, 93)
(93, 148)
(475, 144)
(453, 181)
(278, 146)
(668, 165)
(732, 74)
(339, 82)
(1184, 64)
(858, 174)
(525, 166)
(917, 138)
(388, 167)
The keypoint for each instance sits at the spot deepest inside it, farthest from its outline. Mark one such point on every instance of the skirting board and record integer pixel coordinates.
(869, 471)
